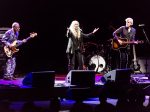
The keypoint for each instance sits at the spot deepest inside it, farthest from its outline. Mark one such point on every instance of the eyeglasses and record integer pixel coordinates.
(129, 22)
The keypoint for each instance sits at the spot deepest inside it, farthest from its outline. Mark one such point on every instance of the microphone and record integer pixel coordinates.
(141, 25)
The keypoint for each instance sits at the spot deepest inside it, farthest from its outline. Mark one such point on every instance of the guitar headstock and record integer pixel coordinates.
(140, 41)
(33, 34)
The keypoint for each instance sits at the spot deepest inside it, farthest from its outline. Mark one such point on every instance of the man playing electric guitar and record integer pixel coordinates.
(10, 40)
(124, 55)
(12, 48)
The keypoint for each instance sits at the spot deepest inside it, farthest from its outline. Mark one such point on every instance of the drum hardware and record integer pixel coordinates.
(97, 63)
(94, 54)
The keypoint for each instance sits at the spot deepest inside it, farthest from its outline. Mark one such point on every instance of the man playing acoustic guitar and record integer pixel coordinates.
(10, 40)
(123, 38)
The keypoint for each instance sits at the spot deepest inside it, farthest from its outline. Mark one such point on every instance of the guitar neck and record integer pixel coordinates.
(19, 43)
(28, 38)
(131, 42)
(134, 53)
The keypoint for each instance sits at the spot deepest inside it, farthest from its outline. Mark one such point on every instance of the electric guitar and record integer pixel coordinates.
(135, 65)
(116, 45)
(9, 51)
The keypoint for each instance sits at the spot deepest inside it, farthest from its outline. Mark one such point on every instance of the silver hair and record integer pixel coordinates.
(129, 19)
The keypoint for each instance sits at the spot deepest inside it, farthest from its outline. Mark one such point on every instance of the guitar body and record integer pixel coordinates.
(116, 45)
(135, 66)
(10, 51)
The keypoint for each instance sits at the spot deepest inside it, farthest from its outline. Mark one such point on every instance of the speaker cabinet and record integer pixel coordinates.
(119, 76)
(40, 79)
(81, 78)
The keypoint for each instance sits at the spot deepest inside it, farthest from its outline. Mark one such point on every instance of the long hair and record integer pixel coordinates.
(76, 33)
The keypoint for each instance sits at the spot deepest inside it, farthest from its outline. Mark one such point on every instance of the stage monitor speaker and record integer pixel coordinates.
(121, 76)
(40, 79)
(81, 78)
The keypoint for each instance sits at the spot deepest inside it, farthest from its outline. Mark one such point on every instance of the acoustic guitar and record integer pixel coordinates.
(125, 42)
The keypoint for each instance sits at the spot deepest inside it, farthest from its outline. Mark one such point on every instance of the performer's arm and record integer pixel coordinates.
(91, 34)
(117, 34)
(20, 42)
(5, 39)
(68, 33)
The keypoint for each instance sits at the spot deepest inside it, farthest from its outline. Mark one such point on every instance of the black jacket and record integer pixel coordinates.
(76, 44)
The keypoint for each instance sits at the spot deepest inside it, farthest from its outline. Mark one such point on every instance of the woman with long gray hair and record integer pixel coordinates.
(75, 46)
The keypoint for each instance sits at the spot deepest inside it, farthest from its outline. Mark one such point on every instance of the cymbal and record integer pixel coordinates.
(109, 40)
(90, 43)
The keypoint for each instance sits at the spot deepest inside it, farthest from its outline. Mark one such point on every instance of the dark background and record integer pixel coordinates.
(50, 20)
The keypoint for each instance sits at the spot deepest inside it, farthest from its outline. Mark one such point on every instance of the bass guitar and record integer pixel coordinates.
(9, 51)
(125, 42)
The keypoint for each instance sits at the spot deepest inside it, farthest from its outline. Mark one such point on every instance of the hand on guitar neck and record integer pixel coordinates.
(24, 40)
(122, 41)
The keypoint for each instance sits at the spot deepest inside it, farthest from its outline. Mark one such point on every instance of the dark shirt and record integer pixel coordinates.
(123, 33)
(76, 44)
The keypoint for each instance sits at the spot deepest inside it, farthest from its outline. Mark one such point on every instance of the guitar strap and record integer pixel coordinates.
(128, 46)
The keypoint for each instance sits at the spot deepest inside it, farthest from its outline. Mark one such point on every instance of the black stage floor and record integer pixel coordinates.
(15, 92)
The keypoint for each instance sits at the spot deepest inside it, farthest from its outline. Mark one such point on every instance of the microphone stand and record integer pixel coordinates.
(145, 36)
(97, 56)
(147, 41)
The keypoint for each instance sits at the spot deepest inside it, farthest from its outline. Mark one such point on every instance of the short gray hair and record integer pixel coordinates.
(129, 19)
(14, 24)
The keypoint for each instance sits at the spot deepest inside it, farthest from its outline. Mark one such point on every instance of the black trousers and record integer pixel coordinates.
(123, 59)
(75, 61)
(120, 59)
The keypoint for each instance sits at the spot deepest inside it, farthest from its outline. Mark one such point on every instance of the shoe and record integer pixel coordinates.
(7, 78)
(13, 78)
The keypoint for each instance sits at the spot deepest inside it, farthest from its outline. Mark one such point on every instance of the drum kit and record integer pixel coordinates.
(95, 57)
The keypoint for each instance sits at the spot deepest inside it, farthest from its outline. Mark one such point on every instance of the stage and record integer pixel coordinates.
(17, 94)
(15, 90)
